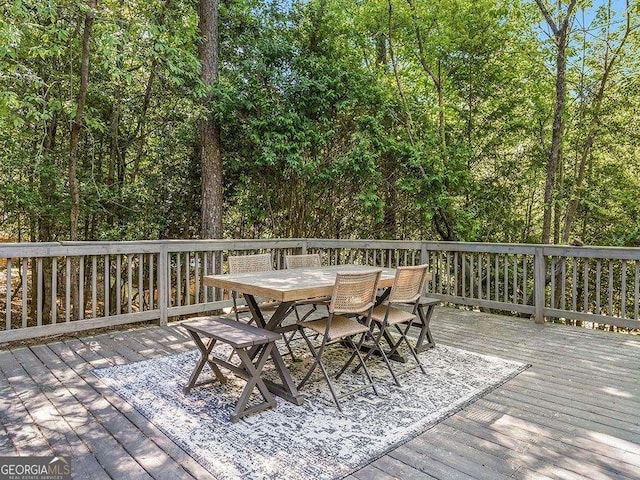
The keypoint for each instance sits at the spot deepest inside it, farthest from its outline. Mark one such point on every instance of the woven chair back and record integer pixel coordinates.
(309, 260)
(354, 292)
(408, 284)
(250, 263)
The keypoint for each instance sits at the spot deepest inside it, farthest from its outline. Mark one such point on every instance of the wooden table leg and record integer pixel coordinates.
(253, 380)
(287, 389)
(205, 351)
(425, 331)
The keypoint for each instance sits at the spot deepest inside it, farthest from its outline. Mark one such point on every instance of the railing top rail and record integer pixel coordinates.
(65, 248)
(52, 249)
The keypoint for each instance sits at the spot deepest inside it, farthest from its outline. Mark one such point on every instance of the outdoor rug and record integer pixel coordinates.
(315, 440)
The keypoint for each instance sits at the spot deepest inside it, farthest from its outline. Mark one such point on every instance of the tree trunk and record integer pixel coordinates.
(210, 154)
(73, 147)
(561, 34)
(555, 151)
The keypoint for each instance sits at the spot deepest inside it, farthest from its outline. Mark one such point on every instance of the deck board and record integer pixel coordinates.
(571, 415)
(158, 452)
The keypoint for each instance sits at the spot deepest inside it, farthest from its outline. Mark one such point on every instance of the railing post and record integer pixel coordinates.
(539, 279)
(303, 247)
(163, 287)
(423, 254)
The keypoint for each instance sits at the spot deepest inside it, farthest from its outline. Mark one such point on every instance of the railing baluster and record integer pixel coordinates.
(488, 288)
(439, 269)
(479, 276)
(471, 275)
(636, 294)
(187, 281)
(539, 279)
(563, 286)
(515, 278)
(67, 289)
(107, 286)
(496, 278)
(525, 294)
(196, 273)
(140, 282)
(25, 293)
(178, 279)
(464, 274)
(585, 273)
(455, 273)
(81, 289)
(448, 289)
(623, 290)
(574, 284)
(610, 311)
(553, 282)
(8, 297)
(39, 292)
(505, 260)
(152, 288)
(54, 290)
(205, 272)
(118, 284)
(129, 283)
(94, 286)
(598, 285)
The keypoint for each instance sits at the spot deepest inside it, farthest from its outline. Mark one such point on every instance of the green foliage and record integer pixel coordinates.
(338, 118)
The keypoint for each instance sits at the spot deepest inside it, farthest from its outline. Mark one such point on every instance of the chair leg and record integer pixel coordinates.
(326, 377)
(364, 366)
(234, 296)
(317, 355)
(287, 342)
(384, 357)
(351, 358)
(403, 336)
(373, 349)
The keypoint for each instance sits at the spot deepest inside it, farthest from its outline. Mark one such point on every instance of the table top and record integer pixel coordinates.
(292, 284)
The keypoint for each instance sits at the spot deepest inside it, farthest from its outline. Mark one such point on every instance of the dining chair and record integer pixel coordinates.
(255, 264)
(307, 260)
(247, 264)
(406, 290)
(354, 293)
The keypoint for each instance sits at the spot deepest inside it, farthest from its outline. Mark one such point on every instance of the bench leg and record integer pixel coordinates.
(425, 331)
(205, 351)
(253, 380)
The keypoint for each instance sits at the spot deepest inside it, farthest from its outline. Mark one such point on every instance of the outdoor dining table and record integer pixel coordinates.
(287, 287)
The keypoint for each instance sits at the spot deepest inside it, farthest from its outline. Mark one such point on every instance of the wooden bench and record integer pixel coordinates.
(242, 338)
(426, 305)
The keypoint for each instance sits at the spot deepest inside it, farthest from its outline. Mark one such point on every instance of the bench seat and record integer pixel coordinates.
(251, 344)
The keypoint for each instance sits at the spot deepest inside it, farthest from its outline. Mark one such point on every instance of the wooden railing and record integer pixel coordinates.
(54, 288)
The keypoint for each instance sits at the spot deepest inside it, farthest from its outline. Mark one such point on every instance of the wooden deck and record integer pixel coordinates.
(572, 415)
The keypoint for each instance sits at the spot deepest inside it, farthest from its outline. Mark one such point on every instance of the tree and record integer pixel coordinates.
(209, 142)
(591, 105)
(560, 27)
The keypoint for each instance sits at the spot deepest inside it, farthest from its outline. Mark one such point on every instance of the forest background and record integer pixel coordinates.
(469, 120)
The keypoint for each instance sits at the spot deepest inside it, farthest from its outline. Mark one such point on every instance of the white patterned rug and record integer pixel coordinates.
(315, 440)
